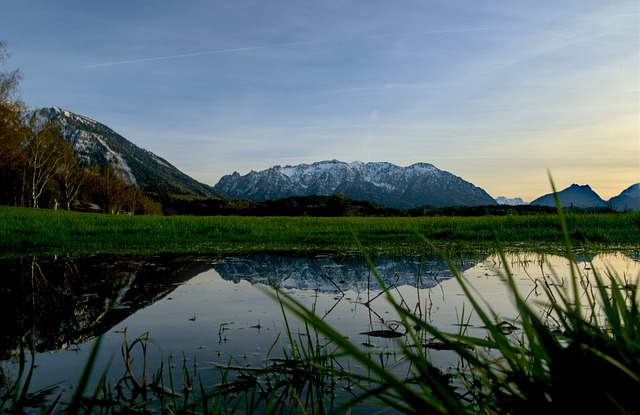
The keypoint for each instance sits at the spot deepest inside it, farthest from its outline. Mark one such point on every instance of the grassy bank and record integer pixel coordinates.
(45, 232)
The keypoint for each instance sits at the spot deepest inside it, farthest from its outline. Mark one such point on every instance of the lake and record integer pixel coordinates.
(203, 314)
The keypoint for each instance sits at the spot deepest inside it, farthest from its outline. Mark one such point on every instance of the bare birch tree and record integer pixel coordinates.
(133, 199)
(42, 154)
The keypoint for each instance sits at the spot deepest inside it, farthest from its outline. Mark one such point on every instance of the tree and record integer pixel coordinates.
(151, 207)
(11, 126)
(110, 189)
(8, 80)
(71, 176)
(133, 199)
(42, 154)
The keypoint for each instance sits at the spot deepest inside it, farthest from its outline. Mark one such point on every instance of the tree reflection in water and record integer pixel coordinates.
(54, 303)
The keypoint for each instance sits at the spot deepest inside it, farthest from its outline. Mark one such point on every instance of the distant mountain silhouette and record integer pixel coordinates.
(573, 196)
(629, 199)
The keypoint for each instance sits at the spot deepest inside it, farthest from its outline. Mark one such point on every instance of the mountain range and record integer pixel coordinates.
(415, 186)
(516, 201)
(573, 196)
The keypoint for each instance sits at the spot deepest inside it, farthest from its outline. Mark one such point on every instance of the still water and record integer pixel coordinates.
(206, 313)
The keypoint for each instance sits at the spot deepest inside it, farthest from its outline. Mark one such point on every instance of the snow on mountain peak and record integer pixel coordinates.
(516, 201)
(380, 182)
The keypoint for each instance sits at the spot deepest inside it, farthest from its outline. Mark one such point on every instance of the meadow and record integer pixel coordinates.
(28, 232)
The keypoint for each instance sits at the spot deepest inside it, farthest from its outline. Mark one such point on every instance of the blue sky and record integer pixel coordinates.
(496, 92)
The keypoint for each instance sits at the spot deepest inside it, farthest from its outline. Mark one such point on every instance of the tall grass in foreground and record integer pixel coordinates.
(580, 353)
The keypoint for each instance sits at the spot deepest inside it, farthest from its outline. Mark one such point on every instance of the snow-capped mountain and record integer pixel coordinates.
(97, 145)
(573, 196)
(629, 199)
(516, 201)
(420, 184)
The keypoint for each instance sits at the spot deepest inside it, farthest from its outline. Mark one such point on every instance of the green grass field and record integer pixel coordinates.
(25, 232)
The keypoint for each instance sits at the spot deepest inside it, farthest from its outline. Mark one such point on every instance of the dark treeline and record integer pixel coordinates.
(329, 206)
(494, 210)
(338, 205)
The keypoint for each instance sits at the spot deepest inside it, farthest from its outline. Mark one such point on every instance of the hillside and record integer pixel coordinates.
(98, 145)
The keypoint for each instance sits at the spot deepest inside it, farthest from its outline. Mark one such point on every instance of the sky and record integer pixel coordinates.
(500, 93)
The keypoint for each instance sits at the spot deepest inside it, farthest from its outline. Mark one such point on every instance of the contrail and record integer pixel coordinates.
(284, 45)
(188, 55)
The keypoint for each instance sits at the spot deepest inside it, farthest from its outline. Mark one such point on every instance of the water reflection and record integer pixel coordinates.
(330, 275)
(211, 312)
(49, 304)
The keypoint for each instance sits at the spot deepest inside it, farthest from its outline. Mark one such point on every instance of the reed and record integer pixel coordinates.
(15, 397)
(581, 353)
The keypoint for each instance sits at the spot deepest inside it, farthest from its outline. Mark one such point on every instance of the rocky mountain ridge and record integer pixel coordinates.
(629, 199)
(515, 201)
(583, 197)
(417, 185)
(97, 145)
(579, 196)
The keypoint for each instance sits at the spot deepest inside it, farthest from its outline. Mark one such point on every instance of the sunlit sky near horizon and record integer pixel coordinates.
(496, 92)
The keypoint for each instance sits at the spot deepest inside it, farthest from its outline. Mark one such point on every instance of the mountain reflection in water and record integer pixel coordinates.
(329, 275)
(49, 304)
